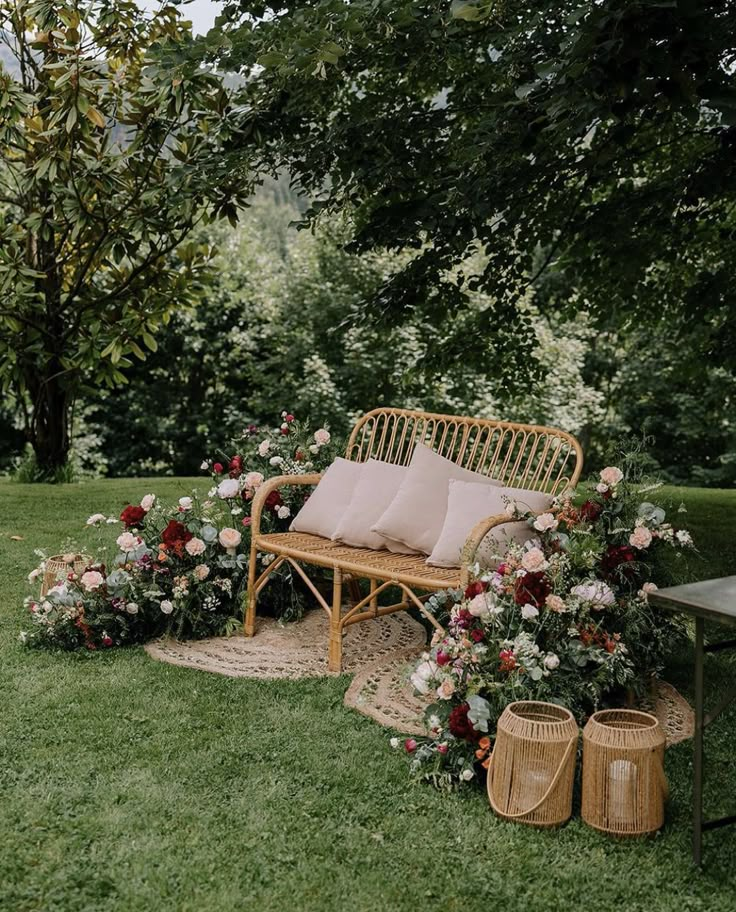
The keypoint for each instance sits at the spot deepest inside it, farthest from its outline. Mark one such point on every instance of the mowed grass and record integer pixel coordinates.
(127, 784)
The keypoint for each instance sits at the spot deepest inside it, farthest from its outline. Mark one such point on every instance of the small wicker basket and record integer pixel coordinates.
(624, 785)
(60, 566)
(530, 777)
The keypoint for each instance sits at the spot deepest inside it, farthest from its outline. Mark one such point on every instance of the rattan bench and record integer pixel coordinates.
(520, 455)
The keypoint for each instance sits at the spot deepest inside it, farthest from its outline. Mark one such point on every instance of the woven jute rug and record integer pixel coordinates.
(295, 650)
(383, 692)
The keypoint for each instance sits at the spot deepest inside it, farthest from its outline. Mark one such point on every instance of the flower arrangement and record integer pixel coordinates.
(181, 569)
(562, 618)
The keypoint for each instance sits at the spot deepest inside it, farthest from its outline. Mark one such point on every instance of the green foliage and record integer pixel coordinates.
(596, 138)
(114, 147)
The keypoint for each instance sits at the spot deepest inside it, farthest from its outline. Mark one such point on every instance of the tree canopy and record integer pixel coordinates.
(114, 145)
(596, 139)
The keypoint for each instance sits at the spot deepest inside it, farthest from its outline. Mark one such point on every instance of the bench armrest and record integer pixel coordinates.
(473, 541)
(273, 484)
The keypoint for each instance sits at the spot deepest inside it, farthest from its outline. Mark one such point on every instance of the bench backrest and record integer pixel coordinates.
(520, 455)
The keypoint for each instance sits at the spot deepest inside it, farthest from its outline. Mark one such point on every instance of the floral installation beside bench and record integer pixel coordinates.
(563, 618)
(181, 568)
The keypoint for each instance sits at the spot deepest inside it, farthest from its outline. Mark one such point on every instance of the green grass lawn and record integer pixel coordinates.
(127, 784)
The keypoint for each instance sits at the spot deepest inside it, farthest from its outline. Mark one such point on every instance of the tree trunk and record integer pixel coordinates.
(49, 431)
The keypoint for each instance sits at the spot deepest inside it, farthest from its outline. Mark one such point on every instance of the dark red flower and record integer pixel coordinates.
(236, 466)
(476, 635)
(299, 456)
(463, 619)
(532, 589)
(442, 658)
(619, 560)
(107, 641)
(478, 587)
(133, 516)
(507, 660)
(460, 724)
(591, 510)
(176, 535)
(217, 468)
(284, 432)
(274, 500)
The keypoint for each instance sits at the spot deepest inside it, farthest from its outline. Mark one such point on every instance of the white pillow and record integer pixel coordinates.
(468, 504)
(377, 487)
(416, 515)
(322, 513)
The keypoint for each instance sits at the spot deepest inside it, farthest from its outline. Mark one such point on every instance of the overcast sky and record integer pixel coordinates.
(201, 12)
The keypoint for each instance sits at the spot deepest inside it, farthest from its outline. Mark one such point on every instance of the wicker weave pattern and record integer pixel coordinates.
(58, 567)
(532, 768)
(520, 455)
(624, 786)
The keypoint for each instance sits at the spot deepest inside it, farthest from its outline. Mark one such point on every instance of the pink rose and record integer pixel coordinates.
(127, 541)
(92, 580)
(410, 745)
(442, 748)
(640, 538)
(545, 522)
(611, 476)
(253, 480)
(195, 547)
(322, 437)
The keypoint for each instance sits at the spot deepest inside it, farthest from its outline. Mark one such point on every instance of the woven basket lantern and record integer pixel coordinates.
(624, 786)
(60, 566)
(530, 777)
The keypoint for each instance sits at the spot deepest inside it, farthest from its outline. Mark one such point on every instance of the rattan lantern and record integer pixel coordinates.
(530, 777)
(624, 786)
(59, 567)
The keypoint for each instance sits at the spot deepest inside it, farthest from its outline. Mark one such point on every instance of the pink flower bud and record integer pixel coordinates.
(410, 745)
(217, 468)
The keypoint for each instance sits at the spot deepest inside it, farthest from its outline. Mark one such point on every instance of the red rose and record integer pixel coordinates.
(410, 745)
(217, 468)
(476, 588)
(532, 589)
(442, 658)
(460, 724)
(133, 516)
(289, 418)
(274, 500)
(591, 510)
(107, 641)
(284, 432)
(476, 635)
(508, 660)
(619, 560)
(176, 535)
(299, 456)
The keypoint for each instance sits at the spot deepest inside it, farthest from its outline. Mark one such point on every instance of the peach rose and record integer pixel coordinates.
(195, 547)
(201, 571)
(555, 603)
(229, 538)
(534, 560)
(446, 689)
(253, 480)
(640, 538)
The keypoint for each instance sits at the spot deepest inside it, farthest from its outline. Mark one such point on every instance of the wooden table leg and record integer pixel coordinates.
(698, 746)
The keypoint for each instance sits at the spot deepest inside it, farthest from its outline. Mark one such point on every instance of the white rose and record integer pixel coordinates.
(545, 522)
(166, 606)
(597, 594)
(229, 538)
(205, 465)
(684, 537)
(314, 448)
(275, 461)
(127, 541)
(33, 574)
(283, 512)
(647, 588)
(529, 612)
(148, 501)
(230, 487)
(394, 742)
(611, 476)
(263, 447)
(551, 661)
(131, 608)
(185, 503)
(424, 672)
(601, 488)
(253, 480)
(322, 437)
(467, 775)
(195, 547)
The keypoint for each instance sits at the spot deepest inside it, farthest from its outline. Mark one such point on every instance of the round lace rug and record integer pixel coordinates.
(295, 650)
(383, 692)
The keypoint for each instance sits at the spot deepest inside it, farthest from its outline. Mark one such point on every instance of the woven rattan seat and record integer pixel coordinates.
(519, 455)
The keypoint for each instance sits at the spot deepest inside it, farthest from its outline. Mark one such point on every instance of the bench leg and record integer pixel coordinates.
(374, 598)
(251, 595)
(334, 658)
